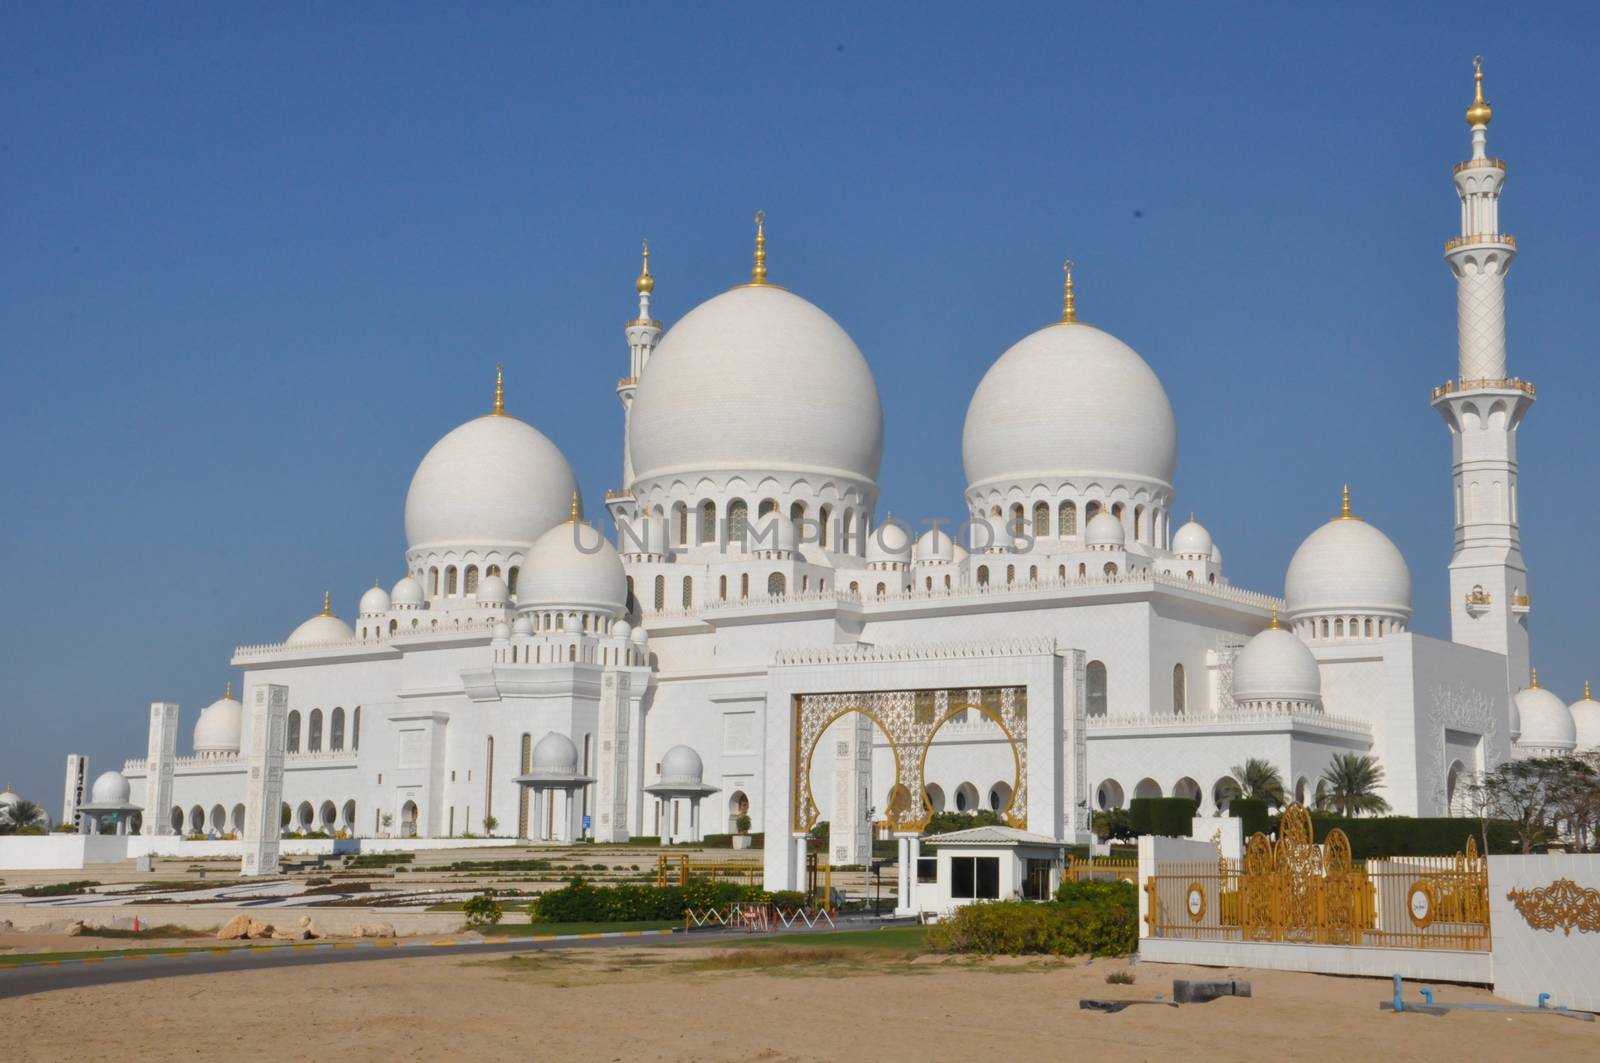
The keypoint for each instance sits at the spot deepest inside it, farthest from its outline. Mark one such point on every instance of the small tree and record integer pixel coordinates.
(742, 823)
(482, 910)
(1255, 778)
(489, 824)
(1523, 792)
(1351, 785)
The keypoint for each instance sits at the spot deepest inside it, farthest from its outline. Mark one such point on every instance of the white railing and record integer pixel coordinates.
(1202, 720)
(915, 651)
(471, 626)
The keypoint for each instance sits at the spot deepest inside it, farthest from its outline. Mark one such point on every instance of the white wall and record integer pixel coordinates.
(1527, 961)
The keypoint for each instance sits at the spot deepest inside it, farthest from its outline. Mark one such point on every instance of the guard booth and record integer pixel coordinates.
(989, 864)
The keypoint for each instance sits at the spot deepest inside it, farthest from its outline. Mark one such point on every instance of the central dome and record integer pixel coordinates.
(757, 379)
(1069, 402)
(493, 482)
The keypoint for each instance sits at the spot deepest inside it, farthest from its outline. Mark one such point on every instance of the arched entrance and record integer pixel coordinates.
(738, 805)
(408, 820)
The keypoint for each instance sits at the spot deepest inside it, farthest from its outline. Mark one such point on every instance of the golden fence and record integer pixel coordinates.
(1300, 893)
(678, 870)
(1101, 869)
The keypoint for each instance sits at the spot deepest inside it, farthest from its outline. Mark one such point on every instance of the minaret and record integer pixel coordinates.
(643, 332)
(1483, 408)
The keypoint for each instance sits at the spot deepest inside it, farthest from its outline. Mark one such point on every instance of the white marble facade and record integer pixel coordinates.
(751, 564)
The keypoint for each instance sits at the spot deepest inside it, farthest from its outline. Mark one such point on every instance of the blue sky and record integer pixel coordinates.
(257, 259)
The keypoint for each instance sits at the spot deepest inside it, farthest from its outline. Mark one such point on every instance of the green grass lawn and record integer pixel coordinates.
(539, 929)
(886, 939)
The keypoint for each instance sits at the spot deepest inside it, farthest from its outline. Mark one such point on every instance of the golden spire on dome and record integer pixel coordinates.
(1069, 300)
(1586, 696)
(646, 283)
(758, 275)
(227, 695)
(1344, 506)
(499, 390)
(1480, 113)
(327, 604)
(1274, 619)
(1535, 683)
(575, 514)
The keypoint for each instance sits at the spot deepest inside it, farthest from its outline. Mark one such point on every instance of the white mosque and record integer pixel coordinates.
(1073, 647)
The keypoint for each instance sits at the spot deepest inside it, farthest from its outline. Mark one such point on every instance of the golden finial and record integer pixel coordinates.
(1069, 301)
(1274, 618)
(1344, 506)
(227, 695)
(327, 604)
(576, 513)
(645, 283)
(1480, 112)
(1536, 679)
(499, 390)
(1586, 696)
(759, 274)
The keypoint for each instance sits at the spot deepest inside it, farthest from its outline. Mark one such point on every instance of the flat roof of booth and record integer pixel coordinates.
(992, 836)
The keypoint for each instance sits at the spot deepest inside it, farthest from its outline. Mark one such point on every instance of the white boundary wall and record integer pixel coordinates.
(1528, 962)
(66, 852)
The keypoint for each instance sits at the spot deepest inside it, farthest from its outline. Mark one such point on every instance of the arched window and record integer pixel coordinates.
(1138, 523)
(355, 729)
(722, 588)
(1033, 573)
(1067, 519)
(1041, 518)
(775, 585)
(1180, 690)
(797, 513)
(294, 733)
(394, 625)
(1095, 681)
(314, 732)
(336, 730)
(983, 575)
(825, 514)
(882, 590)
(632, 603)
(1083, 570)
(661, 593)
(1011, 573)
(511, 578)
(450, 581)
(744, 585)
(768, 505)
(680, 522)
(1116, 510)
(1111, 568)
(688, 591)
(472, 579)
(708, 522)
(855, 588)
(433, 581)
(738, 521)
(1090, 511)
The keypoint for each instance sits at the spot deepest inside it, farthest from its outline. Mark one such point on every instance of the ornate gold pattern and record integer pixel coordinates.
(909, 719)
(1195, 901)
(1480, 238)
(1563, 904)
(1479, 597)
(1341, 888)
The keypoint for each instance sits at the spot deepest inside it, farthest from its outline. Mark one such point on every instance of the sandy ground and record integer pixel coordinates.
(653, 1004)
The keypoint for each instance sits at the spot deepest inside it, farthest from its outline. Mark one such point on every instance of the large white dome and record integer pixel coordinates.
(1348, 566)
(1069, 402)
(756, 379)
(1547, 723)
(493, 482)
(1276, 666)
(573, 566)
(220, 726)
(322, 628)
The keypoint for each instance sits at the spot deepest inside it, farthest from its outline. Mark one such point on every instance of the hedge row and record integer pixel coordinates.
(581, 902)
(1378, 836)
(1086, 918)
(1169, 817)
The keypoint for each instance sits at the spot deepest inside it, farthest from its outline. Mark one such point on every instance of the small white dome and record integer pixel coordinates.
(621, 629)
(502, 631)
(1192, 540)
(375, 600)
(1348, 566)
(934, 546)
(1069, 402)
(889, 542)
(640, 636)
(645, 535)
(1547, 723)
(9, 798)
(521, 626)
(573, 566)
(773, 532)
(681, 766)
(1105, 530)
(321, 629)
(1276, 666)
(110, 789)
(492, 590)
(1216, 555)
(1586, 722)
(757, 379)
(220, 726)
(555, 753)
(494, 482)
(407, 592)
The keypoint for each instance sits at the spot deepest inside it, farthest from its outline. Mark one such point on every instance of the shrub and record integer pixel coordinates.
(482, 910)
(1113, 825)
(1253, 810)
(1106, 926)
(581, 902)
(790, 899)
(1091, 892)
(645, 839)
(1169, 817)
(741, 824)
(1409, 836)
(1119, 978)
(58, 889)
(947, 822)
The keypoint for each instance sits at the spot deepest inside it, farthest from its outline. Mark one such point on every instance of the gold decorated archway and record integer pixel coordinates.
(909, 720)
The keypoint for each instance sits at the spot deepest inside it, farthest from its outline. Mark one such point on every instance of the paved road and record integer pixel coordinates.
(21, 980)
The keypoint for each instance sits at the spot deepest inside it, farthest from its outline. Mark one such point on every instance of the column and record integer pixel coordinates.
(269, 726)
(902, 902)
(914, 843)
(799, 861)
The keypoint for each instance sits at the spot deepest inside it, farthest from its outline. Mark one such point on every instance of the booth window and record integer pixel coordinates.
(927, 868)
(1036, 886)
(975, 878)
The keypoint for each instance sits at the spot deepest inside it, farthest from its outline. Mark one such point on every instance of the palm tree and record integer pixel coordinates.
(1351, 784)
(24, 815)
(1255, 779)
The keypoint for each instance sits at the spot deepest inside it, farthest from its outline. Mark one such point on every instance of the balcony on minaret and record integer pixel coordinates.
(1478, 602)
(1521, 604)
